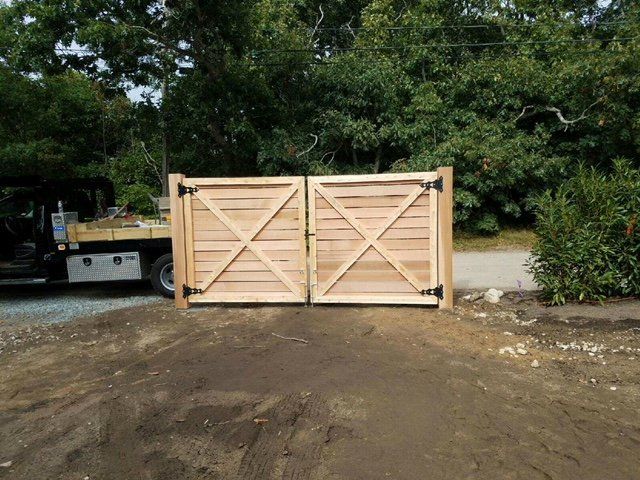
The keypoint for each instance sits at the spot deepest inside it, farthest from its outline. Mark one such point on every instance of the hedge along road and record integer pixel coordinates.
(376, 393)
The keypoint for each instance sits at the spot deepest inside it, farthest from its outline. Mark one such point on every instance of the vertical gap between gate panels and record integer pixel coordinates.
(369, 239)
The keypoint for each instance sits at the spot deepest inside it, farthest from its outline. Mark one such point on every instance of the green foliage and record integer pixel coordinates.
(588, 236)
(498, 169)
(282, 87)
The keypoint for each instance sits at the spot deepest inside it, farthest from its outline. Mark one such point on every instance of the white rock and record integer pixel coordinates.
(521, 351)
(507, 333)
(593, 380)
(472, 297)
(492, 295)
(508, 350)
(535, 364)
(613, 388)
(519, 345)
(6, 464)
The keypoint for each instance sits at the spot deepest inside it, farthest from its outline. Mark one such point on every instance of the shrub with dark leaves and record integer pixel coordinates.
(588, 236)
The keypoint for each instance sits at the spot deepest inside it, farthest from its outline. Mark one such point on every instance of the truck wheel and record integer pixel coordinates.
(162, 276)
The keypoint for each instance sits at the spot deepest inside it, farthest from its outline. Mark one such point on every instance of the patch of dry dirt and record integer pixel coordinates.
(377, 393)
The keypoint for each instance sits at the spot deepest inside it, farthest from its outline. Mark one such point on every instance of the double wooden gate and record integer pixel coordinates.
(371, 239)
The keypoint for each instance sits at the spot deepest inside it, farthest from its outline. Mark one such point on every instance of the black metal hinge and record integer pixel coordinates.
(438, 291)
(186, 291)
(438, 184)
(183, 190)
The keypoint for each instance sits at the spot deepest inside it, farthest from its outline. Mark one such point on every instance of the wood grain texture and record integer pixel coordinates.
(246, 239)
(178, 240)
(375, 240)
(445, 236)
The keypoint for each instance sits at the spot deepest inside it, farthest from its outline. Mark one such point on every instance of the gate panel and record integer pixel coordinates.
(374, 238)
(243, 238)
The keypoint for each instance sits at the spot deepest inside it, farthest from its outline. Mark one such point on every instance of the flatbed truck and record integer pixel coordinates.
(55, 231)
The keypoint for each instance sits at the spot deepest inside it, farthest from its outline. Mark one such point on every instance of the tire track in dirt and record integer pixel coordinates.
(290, 444)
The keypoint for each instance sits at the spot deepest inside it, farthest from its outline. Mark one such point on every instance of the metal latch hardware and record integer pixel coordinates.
(186, 291)
(438, 291)
(438, 184)
(183, 190)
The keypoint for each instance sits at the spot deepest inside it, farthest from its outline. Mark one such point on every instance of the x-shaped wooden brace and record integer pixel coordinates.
(370, 239)
(246, 240)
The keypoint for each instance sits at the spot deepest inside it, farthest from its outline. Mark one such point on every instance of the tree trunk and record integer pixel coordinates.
(378, 162)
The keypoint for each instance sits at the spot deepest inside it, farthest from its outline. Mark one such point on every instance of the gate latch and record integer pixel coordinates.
(438, 184)
(183, 190)
(186, 291)
(438, 291)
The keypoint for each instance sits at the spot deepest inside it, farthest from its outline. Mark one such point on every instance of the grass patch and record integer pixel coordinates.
(507, 239)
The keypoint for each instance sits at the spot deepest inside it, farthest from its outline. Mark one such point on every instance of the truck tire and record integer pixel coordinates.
(162, 276)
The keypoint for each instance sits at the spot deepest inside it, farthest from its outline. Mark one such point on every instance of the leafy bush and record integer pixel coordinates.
(498, 170)
(588, 236)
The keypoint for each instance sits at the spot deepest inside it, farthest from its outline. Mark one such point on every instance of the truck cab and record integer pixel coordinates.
(44, 236)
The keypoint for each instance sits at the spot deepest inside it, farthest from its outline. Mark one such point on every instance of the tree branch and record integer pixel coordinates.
(151, 162)
(524, 110)
(311, 147)
(566, 122)
(315, 29)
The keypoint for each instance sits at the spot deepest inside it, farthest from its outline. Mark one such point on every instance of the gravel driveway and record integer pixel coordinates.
(61, 303)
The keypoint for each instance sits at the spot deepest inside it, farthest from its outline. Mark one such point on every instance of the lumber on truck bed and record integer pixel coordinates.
(86, 232)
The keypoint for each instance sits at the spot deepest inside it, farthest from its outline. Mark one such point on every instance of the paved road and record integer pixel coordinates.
(482, 270)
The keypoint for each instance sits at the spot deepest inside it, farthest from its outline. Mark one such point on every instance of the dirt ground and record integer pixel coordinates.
(376, 393)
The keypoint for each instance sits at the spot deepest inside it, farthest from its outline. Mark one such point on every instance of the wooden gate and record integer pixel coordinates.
(238, 239)
(381, 238)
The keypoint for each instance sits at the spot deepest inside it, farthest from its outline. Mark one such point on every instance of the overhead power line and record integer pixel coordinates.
(330, 62)
(445, 45)
(347, 29)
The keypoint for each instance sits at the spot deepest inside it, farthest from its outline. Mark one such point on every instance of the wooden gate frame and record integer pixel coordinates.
(444, 236)
(442, 243)
(182, 237)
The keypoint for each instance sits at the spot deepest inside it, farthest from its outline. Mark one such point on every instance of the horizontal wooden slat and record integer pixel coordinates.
(389, 201)
(262, 235)
(203, 246)
(371, 287)
(247, 287)
(260, 297)
(216, 192)
(215, 256)
(250, 276)
(242, 182)
(351, 245)
(247, 225)
(375, 178)
(249, 266)
(392, 233)
(371, 223)
(372, 212)
(369, 190)
(330, 266)
(401, 255)
(379, 298)
(204, 216)
(243, 203)
(375, 275)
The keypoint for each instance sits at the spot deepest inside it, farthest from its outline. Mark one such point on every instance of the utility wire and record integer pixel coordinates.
(532, 56)
(445, 45)
(402, 47)
(347, 29)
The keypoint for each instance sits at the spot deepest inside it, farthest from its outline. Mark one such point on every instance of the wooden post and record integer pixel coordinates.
(178, 240)
(445, 236)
